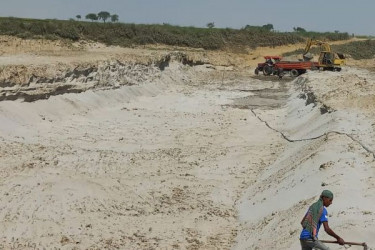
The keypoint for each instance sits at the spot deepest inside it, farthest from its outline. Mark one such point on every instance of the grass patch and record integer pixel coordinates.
(126, 35)
(359, 49)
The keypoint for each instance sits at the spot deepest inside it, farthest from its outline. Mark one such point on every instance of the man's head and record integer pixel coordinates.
(327, 197)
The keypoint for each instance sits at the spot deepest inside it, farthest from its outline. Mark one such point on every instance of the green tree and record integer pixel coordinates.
(250, 27)
(210, 25)
(78, 17)
(114, 18)
(92, 16)
(299, 29)
(104, 15)
(268, 27)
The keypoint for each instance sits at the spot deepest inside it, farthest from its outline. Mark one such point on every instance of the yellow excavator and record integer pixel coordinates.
(328, 60)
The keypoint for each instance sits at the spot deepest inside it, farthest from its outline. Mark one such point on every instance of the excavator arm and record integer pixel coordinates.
(324, 47)
(308, 46)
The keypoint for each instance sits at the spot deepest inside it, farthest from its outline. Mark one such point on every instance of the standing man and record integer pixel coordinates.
(313, 219)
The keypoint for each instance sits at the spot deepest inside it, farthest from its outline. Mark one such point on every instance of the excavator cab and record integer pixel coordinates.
(331, 61)
(326, 58)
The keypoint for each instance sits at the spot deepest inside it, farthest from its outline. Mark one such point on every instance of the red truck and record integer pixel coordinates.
(294, 68)
(274, 66)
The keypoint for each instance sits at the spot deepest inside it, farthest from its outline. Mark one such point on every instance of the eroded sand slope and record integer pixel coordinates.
(330, 146)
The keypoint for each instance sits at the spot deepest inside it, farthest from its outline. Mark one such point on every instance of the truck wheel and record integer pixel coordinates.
(294, 73)
(256, 71)
(267, 70)
(280, 73)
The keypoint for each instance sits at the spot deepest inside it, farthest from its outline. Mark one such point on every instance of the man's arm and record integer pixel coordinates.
(303, 219)
(333, 234)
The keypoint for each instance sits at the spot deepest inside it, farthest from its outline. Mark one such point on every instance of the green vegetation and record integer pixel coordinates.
(364, 37)
(268, 27)
(357, 50)
(210, 25)
(104, 15)
(299, 29)
(132, 34)
(325, 36)
(114, 18)
(92, 16)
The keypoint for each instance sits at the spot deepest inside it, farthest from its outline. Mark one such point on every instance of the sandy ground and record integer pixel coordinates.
(189, 157)
(330, 146)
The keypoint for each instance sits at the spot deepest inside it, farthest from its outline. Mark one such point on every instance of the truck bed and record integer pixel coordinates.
(288, 65)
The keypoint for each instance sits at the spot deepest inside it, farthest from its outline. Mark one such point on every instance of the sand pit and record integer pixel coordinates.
(184, 157)
(149, 166)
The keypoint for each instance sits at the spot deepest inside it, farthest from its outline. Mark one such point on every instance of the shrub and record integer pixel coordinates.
(358, 49)
(132, 34)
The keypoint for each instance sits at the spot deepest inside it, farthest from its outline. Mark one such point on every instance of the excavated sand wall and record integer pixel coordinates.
(32, 83)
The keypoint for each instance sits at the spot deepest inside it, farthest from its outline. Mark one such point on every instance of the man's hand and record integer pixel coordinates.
(340, 241)
(333, 234)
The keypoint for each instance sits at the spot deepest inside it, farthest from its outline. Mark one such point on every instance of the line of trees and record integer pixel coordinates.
(102, 15)
(267, 27)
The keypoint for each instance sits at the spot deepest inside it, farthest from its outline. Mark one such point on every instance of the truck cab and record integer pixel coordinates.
(267, 67)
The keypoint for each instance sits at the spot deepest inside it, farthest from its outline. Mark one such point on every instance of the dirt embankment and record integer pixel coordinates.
(32, 83)
(37, 69)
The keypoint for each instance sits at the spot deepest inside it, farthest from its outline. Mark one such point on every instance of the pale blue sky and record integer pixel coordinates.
(319, 15)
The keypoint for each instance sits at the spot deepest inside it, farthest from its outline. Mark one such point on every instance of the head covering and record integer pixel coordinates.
(327, 193)
(311, 219)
